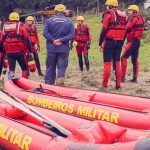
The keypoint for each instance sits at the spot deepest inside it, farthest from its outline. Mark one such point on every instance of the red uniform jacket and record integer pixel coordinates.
(33, 34)
(14, 37)
(114, 25)
(82, 33)
(135, 27)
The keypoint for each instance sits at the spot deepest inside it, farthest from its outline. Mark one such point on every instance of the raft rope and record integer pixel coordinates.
(41, 90)
(48, 123)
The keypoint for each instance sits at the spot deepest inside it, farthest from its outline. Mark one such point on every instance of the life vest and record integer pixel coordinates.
(138, 28)
(32, 33)
(82, 33)
(13, 37)
(117, 25)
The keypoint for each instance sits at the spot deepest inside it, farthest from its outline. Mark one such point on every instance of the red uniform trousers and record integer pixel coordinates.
(83, 50)
(131, 49)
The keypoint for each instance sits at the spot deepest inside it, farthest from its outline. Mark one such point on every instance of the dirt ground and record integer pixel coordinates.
(92, 80)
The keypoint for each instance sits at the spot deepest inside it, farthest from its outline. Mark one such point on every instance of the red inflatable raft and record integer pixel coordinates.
(124, 101)
(92, 111)
(19, 134)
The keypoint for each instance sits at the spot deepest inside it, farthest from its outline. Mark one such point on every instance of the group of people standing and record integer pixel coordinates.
(117, 26)
(116, 29)
(61, 34)
(17, 42)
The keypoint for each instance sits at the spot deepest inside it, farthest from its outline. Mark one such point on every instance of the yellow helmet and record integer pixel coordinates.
(80, 18)
(112, 3)
(14, 16)
(60, 8)
(134, 7)
(30, 18)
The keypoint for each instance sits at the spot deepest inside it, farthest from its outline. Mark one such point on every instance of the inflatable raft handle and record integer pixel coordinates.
(40, 89)
(48, 123)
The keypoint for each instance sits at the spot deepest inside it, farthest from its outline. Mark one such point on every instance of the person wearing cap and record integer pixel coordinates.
(16, 43)
(35, 42)
(82, 42)
(111, 41)
(135, 28)
(59, 31)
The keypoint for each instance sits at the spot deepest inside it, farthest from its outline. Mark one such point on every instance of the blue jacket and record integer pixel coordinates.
(59, 27)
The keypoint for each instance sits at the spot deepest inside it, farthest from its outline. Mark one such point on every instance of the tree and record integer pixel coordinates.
(6, 6)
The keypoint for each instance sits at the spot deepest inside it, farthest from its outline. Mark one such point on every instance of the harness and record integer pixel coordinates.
(119, 19)
(31, 30)
(82, 30)
(11, 31)
(141, 25)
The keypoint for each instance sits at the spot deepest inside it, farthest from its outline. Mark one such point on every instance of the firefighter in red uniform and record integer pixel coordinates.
(82, 42)
(135, 28)
(111, 40)
(15, 41)
(34, 39)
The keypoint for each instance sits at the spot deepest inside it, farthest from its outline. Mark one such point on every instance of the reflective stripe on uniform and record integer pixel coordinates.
(18, 29)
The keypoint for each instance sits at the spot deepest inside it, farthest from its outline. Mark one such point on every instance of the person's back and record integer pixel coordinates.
(14, 38)
(16, 43)
(58, 31)
(59, 27)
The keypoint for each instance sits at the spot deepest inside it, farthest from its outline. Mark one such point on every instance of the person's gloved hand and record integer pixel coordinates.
(101, 49)
(57, 42)
(75, 44)
(88, 45)
(38, 49)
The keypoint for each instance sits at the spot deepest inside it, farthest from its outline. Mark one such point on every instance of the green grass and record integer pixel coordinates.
(94, 55)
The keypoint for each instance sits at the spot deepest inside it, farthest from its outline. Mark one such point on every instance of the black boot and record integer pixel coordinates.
(118, 88)
(134, 80)
(123, 80)
(38, 66)
(80, 62)
(87, 64)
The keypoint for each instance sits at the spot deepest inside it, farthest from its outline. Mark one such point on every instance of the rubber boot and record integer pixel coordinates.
(25, 74)
(107, 72)
(11, 74)
(60, 81)
(80, 62)
(134, 80)
(135, 71)
(38, 65)
(118, 76)
(87, 64)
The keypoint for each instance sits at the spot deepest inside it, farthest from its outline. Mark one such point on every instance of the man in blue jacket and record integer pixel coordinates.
(58, 31)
